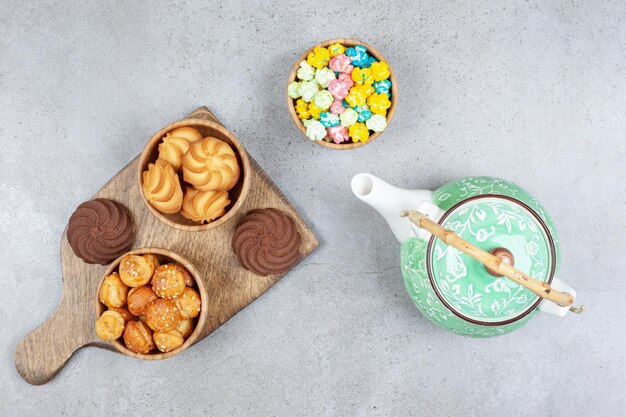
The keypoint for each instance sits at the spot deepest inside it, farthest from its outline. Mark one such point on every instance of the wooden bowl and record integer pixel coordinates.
(164, 256)
(237, 194)
(347, 43)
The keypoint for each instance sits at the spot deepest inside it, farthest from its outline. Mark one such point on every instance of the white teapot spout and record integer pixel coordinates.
(389, 201)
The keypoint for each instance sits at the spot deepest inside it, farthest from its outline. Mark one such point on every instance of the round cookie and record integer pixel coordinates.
(267, 241)
(99, 231)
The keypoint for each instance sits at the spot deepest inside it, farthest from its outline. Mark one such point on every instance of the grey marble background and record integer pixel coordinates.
(530, 91)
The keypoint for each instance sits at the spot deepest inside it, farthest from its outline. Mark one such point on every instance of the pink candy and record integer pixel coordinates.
(338, 134)
(337, 107)
(341, 63)
(339, 89)
(347, 79)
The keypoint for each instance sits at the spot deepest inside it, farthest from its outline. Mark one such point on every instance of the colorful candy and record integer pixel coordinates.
(348, 117)
(323, 99)
(376, 123)
(358, 132)
(346, 79)
(337, 107)
(336, 49)
(362, 76)
(359, 57)
(338, 88)
(380, 71)
(341, 63)
(364, 113)
(378, 103)
(338, 134)
(319, 57)
(341, 94)
(308, 89)
(292, 89)
(315, 130)
(359, 95)
(329, 119)
(314, 110)
(323, 76)
(306, 72)
(383, 86)
(302, 108)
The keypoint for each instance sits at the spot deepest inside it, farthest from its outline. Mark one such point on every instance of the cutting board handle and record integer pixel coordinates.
(44, 351)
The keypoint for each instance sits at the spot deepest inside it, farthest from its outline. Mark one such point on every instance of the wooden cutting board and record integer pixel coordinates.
(43, 352)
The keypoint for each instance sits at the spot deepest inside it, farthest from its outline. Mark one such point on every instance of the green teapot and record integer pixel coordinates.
(483, 257)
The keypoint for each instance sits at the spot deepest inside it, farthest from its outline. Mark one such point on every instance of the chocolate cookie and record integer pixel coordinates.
(266, 241)
(99, 231)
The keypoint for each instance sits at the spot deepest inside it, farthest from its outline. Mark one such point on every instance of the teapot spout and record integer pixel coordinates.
(388, 201)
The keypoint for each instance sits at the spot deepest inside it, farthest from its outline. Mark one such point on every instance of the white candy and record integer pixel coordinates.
(376, 123)
(306, 72)
(348, 117)
(315, 130)
(292, 89)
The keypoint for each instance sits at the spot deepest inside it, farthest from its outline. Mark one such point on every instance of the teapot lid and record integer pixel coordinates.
(509, 229)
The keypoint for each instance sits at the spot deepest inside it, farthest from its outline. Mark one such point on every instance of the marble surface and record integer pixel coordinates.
(530, 91)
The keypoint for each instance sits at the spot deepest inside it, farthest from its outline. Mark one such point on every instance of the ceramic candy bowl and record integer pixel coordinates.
(342, 93)
(483, 258)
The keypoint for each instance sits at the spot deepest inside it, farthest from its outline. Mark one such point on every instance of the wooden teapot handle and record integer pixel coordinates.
(492, 262)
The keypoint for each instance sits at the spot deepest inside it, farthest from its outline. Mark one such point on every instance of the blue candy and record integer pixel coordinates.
(382, 86)
(364, 112)
(359, 57)
(329, 119)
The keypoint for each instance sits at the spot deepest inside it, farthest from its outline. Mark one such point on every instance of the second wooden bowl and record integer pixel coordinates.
(347, 43)
(164, 256)
(237, 194)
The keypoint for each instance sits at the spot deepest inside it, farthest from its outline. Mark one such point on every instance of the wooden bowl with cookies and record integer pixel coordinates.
(194, 175)
(151, 304)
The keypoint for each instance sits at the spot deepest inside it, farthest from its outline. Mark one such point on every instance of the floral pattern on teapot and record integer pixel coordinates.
(500, 298)
(472, 292)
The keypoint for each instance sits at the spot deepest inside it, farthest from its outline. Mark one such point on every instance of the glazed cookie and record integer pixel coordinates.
(99, 231)
(162, 315)
(110, 325)
(189, 303)
(161, 187)
(136, 270)
(139, 298)
(168, 281)
(204, 206)
(138, 337)
(185, 327)
(126, 315)
(113, 291)
(168, 341)
(189, 281)
(210, 164)
(266, 241)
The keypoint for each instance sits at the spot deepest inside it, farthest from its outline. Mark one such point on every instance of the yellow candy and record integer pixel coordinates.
(380, 71)
(378, 103)
(358, 132)
(314, 111)
(302, 108)
(336, 49)
(358, 95)
(362, 76)
(319, 57)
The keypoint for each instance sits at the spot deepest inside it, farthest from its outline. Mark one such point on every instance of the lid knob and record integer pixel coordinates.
(503, 254)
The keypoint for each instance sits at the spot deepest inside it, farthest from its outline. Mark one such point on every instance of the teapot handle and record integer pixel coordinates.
(493, 263)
